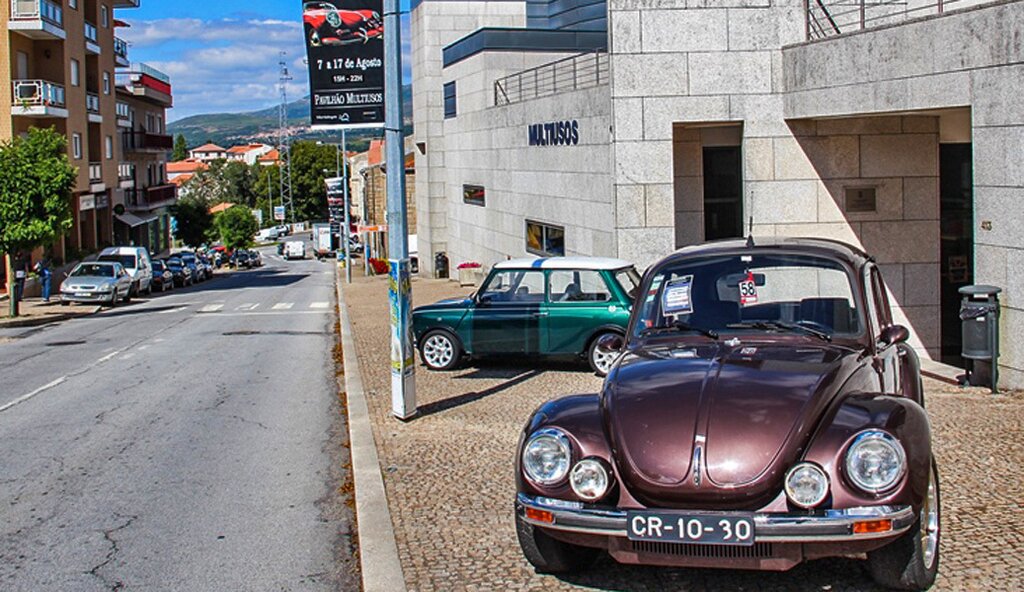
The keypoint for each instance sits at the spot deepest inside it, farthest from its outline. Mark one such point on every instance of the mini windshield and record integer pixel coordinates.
(751, 293)
(93, 270)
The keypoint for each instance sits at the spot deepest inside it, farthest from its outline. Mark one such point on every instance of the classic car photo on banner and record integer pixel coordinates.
(344, 44)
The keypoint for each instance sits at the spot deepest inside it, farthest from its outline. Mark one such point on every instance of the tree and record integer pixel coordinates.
(180, 148)
(309, 194)
(237, 226)
(36, 180)
(193, 219)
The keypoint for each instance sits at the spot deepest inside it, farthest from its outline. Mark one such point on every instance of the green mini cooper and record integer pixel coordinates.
(556, 306)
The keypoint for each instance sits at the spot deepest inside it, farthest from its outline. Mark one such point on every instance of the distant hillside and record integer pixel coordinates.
(227, 129)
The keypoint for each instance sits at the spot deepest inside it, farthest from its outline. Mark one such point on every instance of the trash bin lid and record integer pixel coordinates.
(981, 290)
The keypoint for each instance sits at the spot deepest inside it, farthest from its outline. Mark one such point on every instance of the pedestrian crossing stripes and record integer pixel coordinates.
(320, 305)
(283, 306)
(211, 308)
(250, 307)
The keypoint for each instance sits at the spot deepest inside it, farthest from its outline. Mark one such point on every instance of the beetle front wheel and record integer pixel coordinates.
(548, 555)
(911, 562)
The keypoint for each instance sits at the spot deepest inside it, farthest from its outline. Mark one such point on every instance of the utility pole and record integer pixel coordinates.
(346, 231)
(284, 142)
(403, 376)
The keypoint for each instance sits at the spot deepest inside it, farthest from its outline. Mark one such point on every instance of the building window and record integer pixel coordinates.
(106, 83)
(105, 16)
(75, 80)
(449, 100)
(473, 195)
(76, 146)
(159, 124)
(545, 240)
(109, 147)
(73, 4)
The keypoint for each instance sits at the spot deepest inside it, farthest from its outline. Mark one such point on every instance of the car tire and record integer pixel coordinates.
(113, 299)
(548, 555)
(911, 562)
(440, 350)
(127, 297)
(599, 362)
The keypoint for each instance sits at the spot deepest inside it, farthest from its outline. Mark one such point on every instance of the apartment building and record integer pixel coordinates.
(59, 72)
(145, 192)
(630, 129)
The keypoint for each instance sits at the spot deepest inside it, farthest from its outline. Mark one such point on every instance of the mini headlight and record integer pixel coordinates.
(546, 456)
(806, 485)
(589, 479)
(875, 461)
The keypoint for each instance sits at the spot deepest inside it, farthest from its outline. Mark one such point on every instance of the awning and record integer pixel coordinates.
(132, 220)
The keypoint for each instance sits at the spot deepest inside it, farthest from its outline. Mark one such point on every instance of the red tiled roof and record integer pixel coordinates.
(221, 207)
(189, 165)
(273, 155)
(208, 148)
(376, 152)
(181, 179)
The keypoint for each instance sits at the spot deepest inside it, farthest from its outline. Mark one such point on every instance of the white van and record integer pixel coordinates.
(136, 262)
(295, 250)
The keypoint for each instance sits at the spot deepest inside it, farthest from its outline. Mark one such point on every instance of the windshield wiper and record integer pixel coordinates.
(783, 326)
(677, 326)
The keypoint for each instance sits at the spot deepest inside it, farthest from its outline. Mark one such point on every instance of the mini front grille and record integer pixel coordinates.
(755, 551)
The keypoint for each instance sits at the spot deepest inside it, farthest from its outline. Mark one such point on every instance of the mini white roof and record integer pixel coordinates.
(564, 263)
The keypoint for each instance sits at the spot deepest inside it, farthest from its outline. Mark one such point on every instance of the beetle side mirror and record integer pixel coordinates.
(610, 343)
(894, 334)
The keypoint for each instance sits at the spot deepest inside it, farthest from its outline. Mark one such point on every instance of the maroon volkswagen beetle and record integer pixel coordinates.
(764, 410)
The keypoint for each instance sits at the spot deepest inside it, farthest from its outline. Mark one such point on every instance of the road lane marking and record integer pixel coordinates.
(211, 308)
(173, 310)
(279, 313)
(283, 305)
(320, 305)
(247, 306)
(41, 389)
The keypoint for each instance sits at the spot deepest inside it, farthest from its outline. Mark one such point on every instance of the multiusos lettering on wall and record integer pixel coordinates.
(559, 133)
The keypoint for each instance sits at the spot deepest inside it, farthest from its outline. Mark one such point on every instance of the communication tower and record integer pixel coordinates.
(284, 143)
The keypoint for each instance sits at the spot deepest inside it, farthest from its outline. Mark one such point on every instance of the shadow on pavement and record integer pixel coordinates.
(824, 574)
(452, 402)
(259, 278)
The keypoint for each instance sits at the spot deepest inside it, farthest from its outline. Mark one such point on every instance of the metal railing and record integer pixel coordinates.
(95, 172)
(92, 103)
(150, 197)
(38, 9)
(580, 71)
(121, 48)
(826, 18)
(34, 93)
(91, 34)
(138, 140)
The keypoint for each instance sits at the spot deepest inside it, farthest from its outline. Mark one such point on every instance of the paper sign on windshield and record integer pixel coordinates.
(748, 290)
(675, 300)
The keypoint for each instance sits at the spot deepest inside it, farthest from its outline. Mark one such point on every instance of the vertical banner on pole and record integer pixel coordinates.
(403, 387)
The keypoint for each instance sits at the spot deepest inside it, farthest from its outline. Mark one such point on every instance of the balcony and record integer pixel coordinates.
(124, 115)
(92, 106)
(37, 19)
(92, 39)
(121, 53)
(126, 175)
(96, 184)
(38, 98)
(150, 198)
(126, 3)
(139, 141)
(146, 82)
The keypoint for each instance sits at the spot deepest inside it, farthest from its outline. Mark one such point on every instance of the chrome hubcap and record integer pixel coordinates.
(930, 524)
(603, 361)
(438, 351)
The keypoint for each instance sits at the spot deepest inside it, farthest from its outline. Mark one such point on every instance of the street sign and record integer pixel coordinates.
(377, 228)
(278, 212)
(345, 50)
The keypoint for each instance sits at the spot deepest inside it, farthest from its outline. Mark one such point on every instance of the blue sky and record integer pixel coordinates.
(222, 55)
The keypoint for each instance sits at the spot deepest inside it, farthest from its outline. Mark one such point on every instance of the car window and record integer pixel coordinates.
(742, 293)
(94, 270)
(629, 279)
(574, 285)
(125, 260)
(515, 286)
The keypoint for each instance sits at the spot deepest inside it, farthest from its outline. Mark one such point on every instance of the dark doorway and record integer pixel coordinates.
(956, 219)
(723, 193)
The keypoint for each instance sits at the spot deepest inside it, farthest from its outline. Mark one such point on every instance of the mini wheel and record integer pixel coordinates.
(440, 350)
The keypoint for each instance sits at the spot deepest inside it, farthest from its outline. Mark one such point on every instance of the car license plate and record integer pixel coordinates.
(677, 527)
(83, 294)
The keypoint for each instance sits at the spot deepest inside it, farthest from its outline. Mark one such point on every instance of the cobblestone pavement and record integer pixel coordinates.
(449, 476)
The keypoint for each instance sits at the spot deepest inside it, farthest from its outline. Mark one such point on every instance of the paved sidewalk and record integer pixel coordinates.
(35, 312)
(449, 476)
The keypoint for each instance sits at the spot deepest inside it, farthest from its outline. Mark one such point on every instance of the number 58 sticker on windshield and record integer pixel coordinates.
(748, 290)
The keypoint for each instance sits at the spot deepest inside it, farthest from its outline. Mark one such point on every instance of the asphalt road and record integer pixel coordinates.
(191, 441)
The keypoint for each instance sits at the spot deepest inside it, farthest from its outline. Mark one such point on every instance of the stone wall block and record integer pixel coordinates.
(790, 202)
(643, 162)
(639, 75)
(921, 284)
(630, 206)
(629, 119)
(660, 114)
(660, 200)
(758, 159)
(744, 72)
(921, 198)
(679, 31)
(905, 155)
(826, 157)
(901, 242)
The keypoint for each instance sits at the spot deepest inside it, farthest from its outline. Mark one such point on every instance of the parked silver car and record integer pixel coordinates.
(103, 282)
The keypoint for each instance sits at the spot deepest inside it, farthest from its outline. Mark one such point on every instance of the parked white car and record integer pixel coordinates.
(136, 262)
(97, 282)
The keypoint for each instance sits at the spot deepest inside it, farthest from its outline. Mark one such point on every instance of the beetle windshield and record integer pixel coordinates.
(752, 293)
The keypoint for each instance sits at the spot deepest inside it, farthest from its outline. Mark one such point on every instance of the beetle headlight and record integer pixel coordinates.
(546, 456)
(589, 479)
(875, 461)
(806, 485)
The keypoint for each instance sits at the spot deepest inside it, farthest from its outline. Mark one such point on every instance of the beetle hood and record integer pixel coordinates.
(714, 424)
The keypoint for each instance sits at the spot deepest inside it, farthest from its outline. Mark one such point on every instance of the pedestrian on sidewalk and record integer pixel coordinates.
(42, 269)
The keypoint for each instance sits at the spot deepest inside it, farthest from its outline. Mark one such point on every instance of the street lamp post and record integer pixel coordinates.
(344, 174)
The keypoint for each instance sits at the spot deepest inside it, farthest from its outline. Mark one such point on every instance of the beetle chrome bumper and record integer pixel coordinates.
(822, 526)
